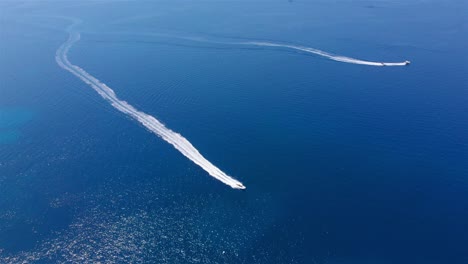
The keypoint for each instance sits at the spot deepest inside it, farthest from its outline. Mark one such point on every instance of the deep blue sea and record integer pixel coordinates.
(343, 163)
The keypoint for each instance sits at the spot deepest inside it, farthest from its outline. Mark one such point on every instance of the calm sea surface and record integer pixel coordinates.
(343, 163)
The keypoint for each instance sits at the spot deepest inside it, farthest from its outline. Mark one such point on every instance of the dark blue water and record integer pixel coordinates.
(343, 163)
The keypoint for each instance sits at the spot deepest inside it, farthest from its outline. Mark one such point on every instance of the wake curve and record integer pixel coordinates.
(304, 49)
(151, 123)
(318, 52)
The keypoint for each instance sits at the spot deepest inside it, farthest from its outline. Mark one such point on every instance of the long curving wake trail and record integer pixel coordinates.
(151, 123)
(305, 49)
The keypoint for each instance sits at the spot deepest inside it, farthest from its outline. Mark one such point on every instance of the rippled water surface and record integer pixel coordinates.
(343, 163)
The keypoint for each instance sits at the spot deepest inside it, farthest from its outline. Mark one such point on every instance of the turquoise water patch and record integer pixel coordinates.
(9, 136)
(10, 122)
(14, 117)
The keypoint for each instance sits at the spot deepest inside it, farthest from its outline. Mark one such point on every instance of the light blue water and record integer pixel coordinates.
(343, 163)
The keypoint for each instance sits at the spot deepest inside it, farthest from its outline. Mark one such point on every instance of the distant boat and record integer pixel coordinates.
(240, 186)
(405, 63)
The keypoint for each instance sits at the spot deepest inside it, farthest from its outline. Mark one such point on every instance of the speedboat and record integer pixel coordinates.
(240, 186)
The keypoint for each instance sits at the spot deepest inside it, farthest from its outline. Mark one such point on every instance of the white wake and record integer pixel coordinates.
(173, 138)
(326, 54)
(318, 52)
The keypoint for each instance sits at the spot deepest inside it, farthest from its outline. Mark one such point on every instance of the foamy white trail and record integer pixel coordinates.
(280, 45)
(300, 48)
(175, 139)
(326, 54)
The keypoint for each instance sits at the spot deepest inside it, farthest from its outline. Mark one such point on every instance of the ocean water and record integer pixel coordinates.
(342, 163)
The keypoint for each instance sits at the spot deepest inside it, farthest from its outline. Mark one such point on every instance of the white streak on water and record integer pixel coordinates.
(318, 52)
(324, 54)
(151, 123)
